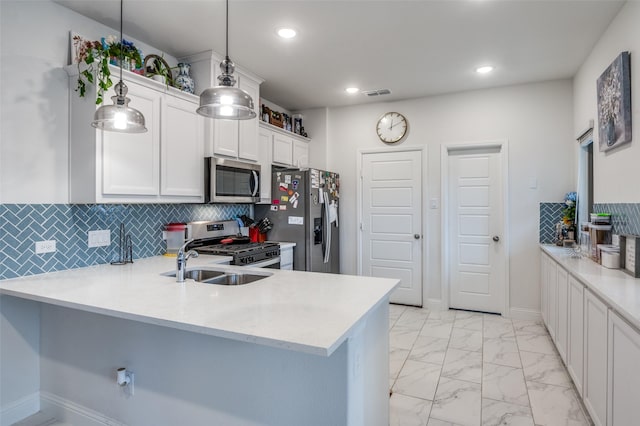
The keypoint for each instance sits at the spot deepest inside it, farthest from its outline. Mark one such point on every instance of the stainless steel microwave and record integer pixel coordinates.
(229, 181)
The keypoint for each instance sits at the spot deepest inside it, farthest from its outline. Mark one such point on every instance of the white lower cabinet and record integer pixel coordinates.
(544, 288)
(552, 297)
(624, 373)
(562, 318)
(575, 349)
(286, 258)
(595, 358)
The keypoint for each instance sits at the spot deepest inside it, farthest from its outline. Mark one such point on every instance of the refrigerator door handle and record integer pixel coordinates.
(256, 183)
(327, 225)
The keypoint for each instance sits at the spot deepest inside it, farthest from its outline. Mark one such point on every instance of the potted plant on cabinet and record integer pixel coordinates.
(94, 58)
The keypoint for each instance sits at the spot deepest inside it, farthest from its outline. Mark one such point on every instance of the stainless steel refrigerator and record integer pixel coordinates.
(304, 210)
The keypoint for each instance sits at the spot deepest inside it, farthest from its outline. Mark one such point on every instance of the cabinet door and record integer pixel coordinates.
(248, 129)
(300, 154)
(225, 138)
(624, 372)
(563, 312)
(130, 161)
(575, 348)
(595, 358)
(286, 259)
(264, 145)
(282, 149)
(182, 149)
(544, 289)
(552, 297)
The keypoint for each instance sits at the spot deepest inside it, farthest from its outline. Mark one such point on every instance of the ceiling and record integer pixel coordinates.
(413, 48)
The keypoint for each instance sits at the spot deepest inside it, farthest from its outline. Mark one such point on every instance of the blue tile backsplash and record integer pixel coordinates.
(21, 225)
(625, 218)
(550, 214)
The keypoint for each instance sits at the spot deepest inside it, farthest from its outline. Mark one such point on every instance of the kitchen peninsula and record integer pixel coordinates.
(293, 348)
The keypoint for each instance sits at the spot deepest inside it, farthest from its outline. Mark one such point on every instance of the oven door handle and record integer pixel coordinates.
(264, 263)
(255, 179)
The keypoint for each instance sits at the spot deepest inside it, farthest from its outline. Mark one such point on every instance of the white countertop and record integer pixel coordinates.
(300, 311)
(617, 289)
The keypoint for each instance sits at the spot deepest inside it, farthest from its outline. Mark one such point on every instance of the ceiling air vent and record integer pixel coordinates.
(378, 92)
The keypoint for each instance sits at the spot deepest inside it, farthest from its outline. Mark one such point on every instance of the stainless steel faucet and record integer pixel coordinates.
(181, 260)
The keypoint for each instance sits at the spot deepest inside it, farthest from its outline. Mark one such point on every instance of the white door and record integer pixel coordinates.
(391, 221)
(477, 266)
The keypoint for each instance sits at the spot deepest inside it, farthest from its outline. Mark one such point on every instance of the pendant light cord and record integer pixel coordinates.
(227, 30)
(121, 41)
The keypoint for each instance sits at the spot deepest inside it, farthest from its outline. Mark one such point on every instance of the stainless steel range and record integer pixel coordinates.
(224, 239)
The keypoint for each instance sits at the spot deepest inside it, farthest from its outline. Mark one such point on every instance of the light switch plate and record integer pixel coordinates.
(100, 238)
(434, 203)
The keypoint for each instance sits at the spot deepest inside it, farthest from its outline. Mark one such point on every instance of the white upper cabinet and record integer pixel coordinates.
(237, 139)
(182, 149)
(264, 144)
(165, 164)
(282, 153)
(300, 154)
(287, 149)
(248, 129)
(129, 163)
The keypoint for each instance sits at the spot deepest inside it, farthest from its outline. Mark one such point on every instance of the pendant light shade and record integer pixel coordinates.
(119, 117)
(225, 101)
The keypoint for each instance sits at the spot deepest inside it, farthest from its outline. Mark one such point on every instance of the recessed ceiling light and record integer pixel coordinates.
(484, 69)
(352, 90)
(287, 32)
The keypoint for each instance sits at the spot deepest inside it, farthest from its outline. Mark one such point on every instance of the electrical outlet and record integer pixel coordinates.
(45, 246)
(100, 238)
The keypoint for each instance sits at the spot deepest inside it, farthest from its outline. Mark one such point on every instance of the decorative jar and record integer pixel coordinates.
(184, 81)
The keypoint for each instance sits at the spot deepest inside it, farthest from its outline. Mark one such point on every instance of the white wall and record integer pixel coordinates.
(536, 119)
(190, 378)
(34, 96)
(612, 170)
(315, 122)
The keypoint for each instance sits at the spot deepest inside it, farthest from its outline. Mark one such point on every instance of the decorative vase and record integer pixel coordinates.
(184, 81)
(610, 130)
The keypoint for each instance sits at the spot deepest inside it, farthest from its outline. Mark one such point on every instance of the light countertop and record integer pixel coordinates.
(617, 289)
(294, 310)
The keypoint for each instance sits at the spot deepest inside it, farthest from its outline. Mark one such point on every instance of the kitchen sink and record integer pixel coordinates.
(213, 276)
(234, 279)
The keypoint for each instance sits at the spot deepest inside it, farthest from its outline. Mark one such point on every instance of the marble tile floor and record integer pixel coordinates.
(459, 368)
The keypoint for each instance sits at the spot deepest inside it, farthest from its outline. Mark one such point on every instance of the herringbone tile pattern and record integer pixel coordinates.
(21, 225)
(550, 214)
(625, 216)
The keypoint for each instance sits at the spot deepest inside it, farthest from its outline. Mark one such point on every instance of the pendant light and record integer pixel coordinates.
(119, 117)
(225, 101)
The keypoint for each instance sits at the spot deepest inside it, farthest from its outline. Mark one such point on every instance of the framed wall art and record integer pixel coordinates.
(614, 104)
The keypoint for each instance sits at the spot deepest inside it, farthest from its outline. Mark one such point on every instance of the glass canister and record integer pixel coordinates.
(175, 236)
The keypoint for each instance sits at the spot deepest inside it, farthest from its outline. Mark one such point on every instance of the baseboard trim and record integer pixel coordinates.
(525, 314)
(434, 304)
(20, 409)
(68, 411)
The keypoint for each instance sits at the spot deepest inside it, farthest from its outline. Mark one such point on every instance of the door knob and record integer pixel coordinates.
(496, 238)
(416, 236)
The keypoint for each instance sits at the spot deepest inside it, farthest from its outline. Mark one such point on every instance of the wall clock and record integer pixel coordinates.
(392, 127)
